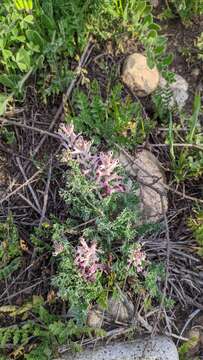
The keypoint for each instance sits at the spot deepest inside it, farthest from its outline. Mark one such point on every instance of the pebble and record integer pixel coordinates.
(138, 76)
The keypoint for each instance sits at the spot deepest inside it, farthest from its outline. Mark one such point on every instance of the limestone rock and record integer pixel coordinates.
(157, 348)
(95, 319)
(119, 311)
(150, 176)
(179, 90)
(138, 76)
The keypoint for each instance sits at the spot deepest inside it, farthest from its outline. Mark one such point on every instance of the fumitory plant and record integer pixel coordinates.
(97, 246)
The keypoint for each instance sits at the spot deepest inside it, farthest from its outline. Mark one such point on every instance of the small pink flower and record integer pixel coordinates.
(101, 168)
(67, 133)
(87, 260)
(137, 258)
(81, 146)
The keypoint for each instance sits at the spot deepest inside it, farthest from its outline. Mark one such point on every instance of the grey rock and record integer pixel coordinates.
(179, 90)
(119, 311)
(151, 179)
(157, 348)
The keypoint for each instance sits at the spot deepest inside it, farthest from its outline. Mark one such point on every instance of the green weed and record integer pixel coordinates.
(38, 333)
(10, 251)
(196, 224)
(187, 160)
(113, 119)
(186, 9)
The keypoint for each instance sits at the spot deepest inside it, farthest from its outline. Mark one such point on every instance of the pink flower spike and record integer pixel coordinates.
(137, 258)
(101, 168)
(87, 260)
(67, 133)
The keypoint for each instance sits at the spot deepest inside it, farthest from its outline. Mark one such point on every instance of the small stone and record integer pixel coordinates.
(95, 319)
(195, 72)
(154, 3)
(119, 311)
(179, 90)
(146, 348)
(138, 76)
(147, 170)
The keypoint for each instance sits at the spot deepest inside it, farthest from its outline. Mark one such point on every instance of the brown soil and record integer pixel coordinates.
(185, 268)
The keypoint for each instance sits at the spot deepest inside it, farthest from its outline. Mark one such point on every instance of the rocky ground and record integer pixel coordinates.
(33, 199)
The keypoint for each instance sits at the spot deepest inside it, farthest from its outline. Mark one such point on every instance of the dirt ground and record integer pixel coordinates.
(186, 269)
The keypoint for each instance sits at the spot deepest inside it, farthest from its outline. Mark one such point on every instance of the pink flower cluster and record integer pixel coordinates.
(87, 260)
(137, 258)
(101, 168)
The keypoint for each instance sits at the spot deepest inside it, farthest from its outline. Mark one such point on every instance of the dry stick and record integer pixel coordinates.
(29, 186)
(184, 196)
(167, 264)
(29, 181)
(46, 193)
(6, 122)
(29, 203)
(22, 291)
(194, 303)
(78, 71)
(23, 272)
(191, 317)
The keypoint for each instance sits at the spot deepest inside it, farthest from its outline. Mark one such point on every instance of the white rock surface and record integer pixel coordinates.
(138, 76)
(157, 348)
(179, 90)
(150, 176)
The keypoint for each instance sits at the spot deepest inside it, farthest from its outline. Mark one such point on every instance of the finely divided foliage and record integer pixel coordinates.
(76, 237)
